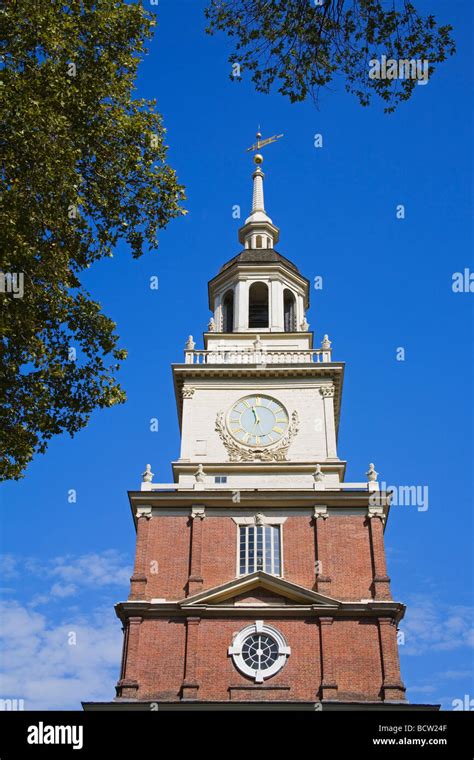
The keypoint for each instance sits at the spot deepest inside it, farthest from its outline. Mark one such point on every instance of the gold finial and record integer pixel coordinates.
(258, 158)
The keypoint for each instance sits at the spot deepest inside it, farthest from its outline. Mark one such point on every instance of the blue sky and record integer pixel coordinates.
(386, 284)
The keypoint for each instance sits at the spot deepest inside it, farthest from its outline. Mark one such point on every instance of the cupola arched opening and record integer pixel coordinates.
(258, 305)
(289, 310)
(259, 243)
(228, 312)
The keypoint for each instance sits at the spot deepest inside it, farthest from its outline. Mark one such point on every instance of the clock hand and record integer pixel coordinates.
(257, 418)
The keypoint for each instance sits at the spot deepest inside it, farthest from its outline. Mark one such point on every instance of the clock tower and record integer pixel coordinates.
(260, 578)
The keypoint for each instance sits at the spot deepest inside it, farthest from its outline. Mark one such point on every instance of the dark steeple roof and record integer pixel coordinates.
(259, 256)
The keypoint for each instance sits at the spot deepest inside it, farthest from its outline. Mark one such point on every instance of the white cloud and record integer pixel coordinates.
(60, 590)
(428, 689)
(109, 568)
(432, 626)
(454, 674)
(56, 659)
(8, 566)
(69, 574)
(45, 670)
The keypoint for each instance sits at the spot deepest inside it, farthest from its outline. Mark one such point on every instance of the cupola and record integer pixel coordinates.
(259, 290)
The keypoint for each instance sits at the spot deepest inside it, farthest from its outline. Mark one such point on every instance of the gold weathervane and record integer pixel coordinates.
(258, 158)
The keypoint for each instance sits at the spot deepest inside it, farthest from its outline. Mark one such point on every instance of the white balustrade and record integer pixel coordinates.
(249, 356)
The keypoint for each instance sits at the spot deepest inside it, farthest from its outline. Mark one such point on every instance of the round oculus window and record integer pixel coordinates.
(259, 651)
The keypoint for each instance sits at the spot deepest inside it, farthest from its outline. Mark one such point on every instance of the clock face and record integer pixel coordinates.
(257, 421)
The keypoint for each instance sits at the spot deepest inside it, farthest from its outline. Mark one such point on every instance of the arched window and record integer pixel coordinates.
(259, 241)
(258, 305)
(289, 311)
(228, 304)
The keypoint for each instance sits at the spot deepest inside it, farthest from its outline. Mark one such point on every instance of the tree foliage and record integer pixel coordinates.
(84, 166)
(302, 45)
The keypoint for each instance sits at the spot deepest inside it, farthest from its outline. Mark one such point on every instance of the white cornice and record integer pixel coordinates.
(367, 609)
(293, 467)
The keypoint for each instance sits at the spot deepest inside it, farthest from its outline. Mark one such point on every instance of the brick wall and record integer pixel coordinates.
(166, 656)
(160, 665)
(349, 563)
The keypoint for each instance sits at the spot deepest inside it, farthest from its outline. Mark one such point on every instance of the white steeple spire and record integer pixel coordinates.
(258, 203)
(258, 213)
(259, 230)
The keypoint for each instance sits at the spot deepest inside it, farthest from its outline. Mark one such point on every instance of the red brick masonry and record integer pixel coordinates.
(344, 648)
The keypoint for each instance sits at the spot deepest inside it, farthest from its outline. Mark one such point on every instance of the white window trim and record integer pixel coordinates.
(260, 519)
(235, 650)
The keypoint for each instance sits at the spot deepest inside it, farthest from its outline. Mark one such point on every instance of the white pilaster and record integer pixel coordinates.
(327, 392)
(218, 312)
(187, 424)
(241, 306)
(276, 306)
(299, 311)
